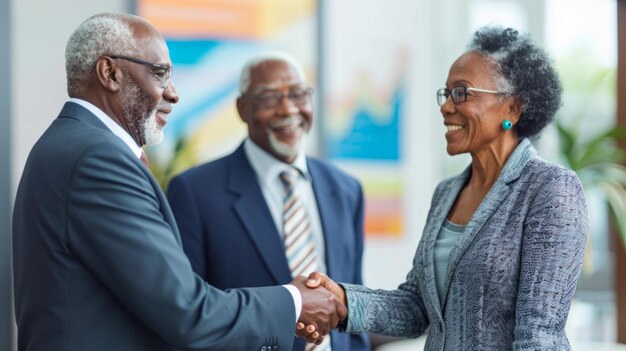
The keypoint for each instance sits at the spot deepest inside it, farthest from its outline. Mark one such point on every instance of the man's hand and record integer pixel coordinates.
(321, 311)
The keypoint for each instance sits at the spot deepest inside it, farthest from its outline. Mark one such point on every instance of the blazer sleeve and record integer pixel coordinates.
(553, 245)
(359, 341)
(399, 312)
(185, 209)
(116, 228)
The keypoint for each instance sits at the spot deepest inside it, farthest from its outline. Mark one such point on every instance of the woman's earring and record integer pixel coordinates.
(506, 124)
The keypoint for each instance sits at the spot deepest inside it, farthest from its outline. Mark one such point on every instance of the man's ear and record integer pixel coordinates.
(109, 74)
(242, 108)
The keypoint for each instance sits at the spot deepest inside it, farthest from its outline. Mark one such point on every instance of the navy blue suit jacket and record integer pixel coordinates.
(232, 241)
(98, 262)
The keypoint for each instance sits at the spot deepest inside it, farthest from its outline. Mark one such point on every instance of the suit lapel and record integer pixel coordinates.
(76, 111)
(252, 211)
(492, 201)
(432, 231)
(328, 206)
(487, 207)
(485, 210)
(166, 210)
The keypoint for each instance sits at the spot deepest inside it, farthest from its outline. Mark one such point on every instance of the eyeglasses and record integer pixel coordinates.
(161, 72)
(299, 97)
(458, 94)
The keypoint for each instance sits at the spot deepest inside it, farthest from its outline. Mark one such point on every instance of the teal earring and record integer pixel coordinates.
(506, 124)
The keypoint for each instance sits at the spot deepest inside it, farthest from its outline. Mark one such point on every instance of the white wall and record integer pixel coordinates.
(40, 30)
(6, 322)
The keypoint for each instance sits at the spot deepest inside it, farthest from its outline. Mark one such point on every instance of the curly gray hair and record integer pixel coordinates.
(525, 71)
(102, 34)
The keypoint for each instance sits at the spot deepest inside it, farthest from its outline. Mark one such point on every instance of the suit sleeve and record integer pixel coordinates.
(185, 209)
(116, 228)
(553, 245)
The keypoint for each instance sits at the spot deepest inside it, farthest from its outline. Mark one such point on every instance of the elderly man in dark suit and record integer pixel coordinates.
(267, 213)
(98, 261)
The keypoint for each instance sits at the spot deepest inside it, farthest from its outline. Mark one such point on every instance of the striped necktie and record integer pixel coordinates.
(299, 245)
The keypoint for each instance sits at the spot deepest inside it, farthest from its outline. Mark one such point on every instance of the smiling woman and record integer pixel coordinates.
(474, 116)
(503, 237)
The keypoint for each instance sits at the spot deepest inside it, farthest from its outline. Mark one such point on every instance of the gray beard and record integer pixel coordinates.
(284, 149)
(144, 123)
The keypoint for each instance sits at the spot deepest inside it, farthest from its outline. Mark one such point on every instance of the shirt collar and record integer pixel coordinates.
(110, 123)
(267, 167)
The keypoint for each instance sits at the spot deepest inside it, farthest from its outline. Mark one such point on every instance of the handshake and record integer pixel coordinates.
(323, 306)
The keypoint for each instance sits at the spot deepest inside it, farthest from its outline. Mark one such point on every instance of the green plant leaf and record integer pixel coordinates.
(597, 162)
(567, 141)
(615, 194)
(602, 148)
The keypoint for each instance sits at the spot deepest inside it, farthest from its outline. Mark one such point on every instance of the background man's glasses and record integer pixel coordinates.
(161, 72)
(459, 94)
(299, 97)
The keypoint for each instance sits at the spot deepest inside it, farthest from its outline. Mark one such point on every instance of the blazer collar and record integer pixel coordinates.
(78, 112)
(111, 125)
(511, 171)
(253, 212)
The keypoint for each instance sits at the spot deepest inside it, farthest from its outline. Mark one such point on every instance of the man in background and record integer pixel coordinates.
(98, 261)
(267, 212)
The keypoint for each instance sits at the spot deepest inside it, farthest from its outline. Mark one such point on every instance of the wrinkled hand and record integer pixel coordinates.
(321, 311)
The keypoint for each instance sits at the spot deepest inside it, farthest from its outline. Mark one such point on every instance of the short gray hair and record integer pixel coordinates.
(244, 80)
(102, 34)
(524, 70)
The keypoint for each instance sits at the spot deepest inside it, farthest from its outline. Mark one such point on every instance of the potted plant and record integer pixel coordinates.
(598, 162)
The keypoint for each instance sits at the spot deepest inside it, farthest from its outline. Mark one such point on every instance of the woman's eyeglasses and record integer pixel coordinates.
(459, 94)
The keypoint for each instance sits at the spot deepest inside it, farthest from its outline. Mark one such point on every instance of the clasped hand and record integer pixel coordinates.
(323, 306)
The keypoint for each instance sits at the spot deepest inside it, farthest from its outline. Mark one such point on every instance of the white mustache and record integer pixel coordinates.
(166, 107)
(292, 120)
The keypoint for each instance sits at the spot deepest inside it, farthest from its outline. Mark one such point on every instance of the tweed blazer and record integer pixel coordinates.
(510, 278)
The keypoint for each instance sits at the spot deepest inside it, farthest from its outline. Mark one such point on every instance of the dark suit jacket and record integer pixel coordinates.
(231, 240)
(98, 262)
